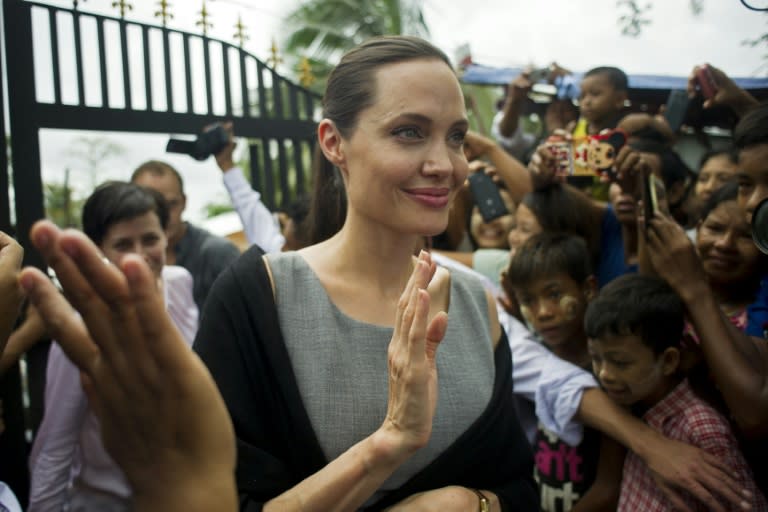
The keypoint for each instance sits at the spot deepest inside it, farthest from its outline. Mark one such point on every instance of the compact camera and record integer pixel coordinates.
(208, 143)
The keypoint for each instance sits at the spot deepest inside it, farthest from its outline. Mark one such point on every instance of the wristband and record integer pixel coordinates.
(484, 504)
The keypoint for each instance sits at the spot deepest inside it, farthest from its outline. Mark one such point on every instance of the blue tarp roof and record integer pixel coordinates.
(486, 75)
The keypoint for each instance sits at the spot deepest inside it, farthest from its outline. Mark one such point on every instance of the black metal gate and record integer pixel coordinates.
(155, 94)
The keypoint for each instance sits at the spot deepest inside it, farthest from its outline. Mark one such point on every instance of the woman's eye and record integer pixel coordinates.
(458, 138)
(407, 133)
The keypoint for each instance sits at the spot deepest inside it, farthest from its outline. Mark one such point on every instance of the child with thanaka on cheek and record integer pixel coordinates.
(634, 327)
(551, 277)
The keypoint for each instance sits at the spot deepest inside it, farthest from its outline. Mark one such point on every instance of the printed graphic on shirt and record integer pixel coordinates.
(563, 472)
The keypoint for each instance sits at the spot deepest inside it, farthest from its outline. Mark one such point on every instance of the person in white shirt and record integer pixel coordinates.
(260, 225)
(68, 464)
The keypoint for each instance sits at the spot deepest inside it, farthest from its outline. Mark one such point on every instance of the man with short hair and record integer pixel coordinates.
(204, 254)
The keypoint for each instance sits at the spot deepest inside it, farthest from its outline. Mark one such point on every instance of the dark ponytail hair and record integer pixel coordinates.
(351, 89)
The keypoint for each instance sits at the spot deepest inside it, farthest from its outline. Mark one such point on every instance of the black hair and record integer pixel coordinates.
(351, 88)
(562, 208)
(753, 128)
(617, 78)
(638, 305)
(158, 168)
(728, 192)
(673, 168)
(546, 254)
(116, 201)
(730, 152)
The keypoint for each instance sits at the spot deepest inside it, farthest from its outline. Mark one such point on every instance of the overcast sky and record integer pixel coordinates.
(578, 34)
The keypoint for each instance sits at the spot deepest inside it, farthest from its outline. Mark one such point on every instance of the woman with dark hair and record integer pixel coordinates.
(69, 466)
(313, 327)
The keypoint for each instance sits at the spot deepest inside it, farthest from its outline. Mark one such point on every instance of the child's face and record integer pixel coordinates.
(599, 101)
(716, 172)
(628, 370)
(494, 234)
(555, 307)
(525, 225)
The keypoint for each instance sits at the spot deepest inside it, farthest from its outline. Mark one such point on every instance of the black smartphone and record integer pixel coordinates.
(486, 196)
(676, 108)
(650, 200)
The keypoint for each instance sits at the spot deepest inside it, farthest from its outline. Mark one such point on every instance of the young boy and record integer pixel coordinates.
(551, 277)
(634, 326)
(601, 101)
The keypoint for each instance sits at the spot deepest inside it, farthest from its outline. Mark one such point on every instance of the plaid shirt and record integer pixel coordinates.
(683, 416)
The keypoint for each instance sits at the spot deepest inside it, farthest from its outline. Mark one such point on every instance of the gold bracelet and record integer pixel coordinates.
(485, 505)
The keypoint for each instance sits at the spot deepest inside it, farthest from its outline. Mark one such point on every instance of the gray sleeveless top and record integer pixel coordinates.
(341, 364)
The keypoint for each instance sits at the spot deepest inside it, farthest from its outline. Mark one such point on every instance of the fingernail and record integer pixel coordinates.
(42, 240)
(131, 272)
(69, 248)
(27, 283)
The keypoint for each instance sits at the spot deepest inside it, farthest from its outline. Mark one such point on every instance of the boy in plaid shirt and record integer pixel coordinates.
(634, 327)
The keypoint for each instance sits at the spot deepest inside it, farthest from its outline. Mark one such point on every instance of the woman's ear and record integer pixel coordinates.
(330, 142)
(670, 361)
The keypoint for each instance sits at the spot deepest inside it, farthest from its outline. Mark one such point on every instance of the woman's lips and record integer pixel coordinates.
(430, 197)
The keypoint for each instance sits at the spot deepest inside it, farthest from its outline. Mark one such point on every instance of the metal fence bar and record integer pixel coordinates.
(187, 74)
(269, 182)
(263, 110)
(227, 91)
(147, 71)
(126, 66)
(78, 58)
(282, 162)
(277, 95)
(167, 70)
(207, 65)
(54, 31)
(102, 47)
(244, 85)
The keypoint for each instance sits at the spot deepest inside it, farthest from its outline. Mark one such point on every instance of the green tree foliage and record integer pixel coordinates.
(61, 205)
(322, 30)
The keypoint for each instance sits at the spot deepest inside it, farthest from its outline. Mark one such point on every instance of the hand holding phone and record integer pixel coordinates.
(487, 196)
(706, 82)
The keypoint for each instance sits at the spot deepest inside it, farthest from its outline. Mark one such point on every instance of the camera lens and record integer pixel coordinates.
(760, 226)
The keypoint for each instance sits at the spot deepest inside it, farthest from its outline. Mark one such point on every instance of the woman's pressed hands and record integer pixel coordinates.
(411, 360)
(161, 416)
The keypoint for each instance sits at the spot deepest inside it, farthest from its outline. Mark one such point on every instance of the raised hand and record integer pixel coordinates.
(411, 359)
(161, 415)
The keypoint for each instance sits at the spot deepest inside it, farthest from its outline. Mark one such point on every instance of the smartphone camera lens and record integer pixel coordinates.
(760, 226)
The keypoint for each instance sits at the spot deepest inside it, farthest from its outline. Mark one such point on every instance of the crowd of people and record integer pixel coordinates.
(385, 346)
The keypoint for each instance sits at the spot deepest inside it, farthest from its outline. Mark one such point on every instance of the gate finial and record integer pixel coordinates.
(123, 5)
(164, 13)
(274, 55)
(306, 77)
(203, 21)
(240, 34)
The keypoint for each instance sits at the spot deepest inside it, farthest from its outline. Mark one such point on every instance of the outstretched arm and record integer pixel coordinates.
(259, 225)
(675, 466)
